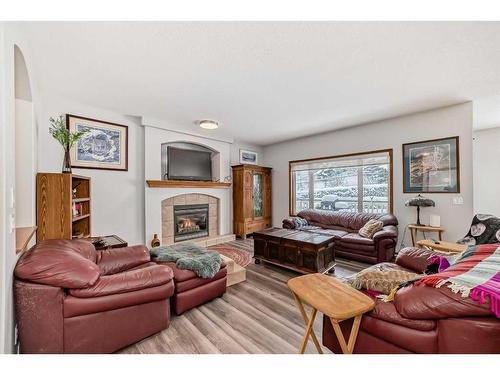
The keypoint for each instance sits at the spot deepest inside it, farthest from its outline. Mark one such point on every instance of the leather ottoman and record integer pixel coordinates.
(191, 291)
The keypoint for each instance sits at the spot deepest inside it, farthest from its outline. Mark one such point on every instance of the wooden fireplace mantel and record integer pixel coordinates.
(187, 184)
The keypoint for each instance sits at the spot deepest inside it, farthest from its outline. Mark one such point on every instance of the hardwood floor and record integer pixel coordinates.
(258, 315)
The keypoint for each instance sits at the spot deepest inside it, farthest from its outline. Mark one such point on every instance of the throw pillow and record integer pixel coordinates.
(299, 222)
(370, 228)
(382, 281)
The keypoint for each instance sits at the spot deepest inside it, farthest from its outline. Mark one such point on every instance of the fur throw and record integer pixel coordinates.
(188, 256)
(382, 281)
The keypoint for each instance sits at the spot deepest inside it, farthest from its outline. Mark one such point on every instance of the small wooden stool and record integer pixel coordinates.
(333, 298)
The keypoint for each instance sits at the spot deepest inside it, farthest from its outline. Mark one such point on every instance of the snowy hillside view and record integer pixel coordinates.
(337, 189)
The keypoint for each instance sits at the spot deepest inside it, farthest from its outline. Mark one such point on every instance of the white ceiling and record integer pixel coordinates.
(266, 82)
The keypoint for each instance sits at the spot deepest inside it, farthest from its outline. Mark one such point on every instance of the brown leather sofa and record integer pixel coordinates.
(421, 319)
(345, 226)
(70, 298)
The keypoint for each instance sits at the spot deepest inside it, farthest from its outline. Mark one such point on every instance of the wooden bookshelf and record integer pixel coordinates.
(54, 202)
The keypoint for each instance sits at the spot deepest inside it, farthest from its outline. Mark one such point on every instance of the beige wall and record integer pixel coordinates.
(392, 133)
(487, 171)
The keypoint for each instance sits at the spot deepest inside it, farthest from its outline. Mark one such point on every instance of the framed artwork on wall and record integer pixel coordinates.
(431, 166)
(104, 146)
(248, 157)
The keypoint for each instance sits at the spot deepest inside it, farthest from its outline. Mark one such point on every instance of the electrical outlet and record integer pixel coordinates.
(458, 201)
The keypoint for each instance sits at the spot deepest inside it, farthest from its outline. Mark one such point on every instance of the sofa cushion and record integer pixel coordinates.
(116, 260)
(127, 281)
(414, 258)
(387, 312)
(356, 238)
(424, 302)
(75, 306)
(370, 228)
(330, 232)
(59, 263)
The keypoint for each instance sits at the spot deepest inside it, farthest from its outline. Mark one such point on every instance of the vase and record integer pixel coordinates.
(66, 167)
(156, 241)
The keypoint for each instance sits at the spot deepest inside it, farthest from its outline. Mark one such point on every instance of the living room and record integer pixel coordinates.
(246, 187)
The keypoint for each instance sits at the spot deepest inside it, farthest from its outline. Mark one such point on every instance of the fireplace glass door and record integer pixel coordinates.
(258, 208)
(190, 221)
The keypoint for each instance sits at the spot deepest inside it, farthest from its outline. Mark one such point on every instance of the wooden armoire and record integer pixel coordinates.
(251, 199)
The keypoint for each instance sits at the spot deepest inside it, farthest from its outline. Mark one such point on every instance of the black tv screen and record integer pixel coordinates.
(189, 164)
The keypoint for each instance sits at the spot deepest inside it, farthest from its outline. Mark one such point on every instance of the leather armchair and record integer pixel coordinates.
(422, 319)
(69, 298)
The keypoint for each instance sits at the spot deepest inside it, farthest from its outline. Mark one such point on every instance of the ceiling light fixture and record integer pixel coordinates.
(208, 124)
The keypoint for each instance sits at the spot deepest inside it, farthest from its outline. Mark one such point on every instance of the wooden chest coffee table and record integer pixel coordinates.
(301, 251)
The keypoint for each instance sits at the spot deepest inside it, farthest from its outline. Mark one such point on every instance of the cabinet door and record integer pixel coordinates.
(258, 199)
(247, 194)
(267, 195)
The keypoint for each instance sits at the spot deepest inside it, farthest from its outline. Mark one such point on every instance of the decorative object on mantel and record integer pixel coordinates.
(66, 138)
(431, 166)
(248, 157)
(155, 242)
(187, 184)
(420, 201)
(104, 146)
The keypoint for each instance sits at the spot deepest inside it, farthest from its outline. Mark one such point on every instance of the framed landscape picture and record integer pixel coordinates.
(431, 166)
(248, 157)
(104, 146)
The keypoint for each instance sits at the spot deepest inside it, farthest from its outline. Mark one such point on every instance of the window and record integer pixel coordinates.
(351, 183)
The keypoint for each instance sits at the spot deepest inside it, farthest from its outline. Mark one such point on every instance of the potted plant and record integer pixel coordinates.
(67, 139)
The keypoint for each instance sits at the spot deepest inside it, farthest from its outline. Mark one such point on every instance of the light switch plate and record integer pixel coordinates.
(458, 201)
(12, 198)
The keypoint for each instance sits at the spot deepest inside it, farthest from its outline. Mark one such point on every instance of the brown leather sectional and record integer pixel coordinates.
(348, 243)
(421, 319)
(70, 298)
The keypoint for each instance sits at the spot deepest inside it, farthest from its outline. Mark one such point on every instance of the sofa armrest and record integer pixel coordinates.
(111, 261)
(389, 231)
(128, 281)
(414, 258)
(288, 224)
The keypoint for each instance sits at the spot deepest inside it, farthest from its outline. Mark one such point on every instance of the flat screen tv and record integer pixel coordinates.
(185, 164)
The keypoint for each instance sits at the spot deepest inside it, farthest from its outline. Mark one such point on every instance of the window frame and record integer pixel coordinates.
(389, 151)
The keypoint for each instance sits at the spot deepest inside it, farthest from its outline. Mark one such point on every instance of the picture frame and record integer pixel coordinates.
(432, 166)
(104, 147)
(248, 157)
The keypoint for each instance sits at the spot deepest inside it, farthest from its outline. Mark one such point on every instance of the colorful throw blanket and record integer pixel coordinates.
(475, 274)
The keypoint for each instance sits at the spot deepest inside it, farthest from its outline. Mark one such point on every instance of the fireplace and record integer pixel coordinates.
(190, 221)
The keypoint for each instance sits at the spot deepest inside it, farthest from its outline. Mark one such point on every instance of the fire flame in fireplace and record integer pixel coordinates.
(187, 225)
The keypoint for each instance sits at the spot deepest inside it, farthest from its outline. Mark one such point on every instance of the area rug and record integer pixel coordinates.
(241, 257)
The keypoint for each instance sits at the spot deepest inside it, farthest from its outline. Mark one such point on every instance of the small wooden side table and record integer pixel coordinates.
(333, 298)
(109, 242)
(443, 246)
(414, 229)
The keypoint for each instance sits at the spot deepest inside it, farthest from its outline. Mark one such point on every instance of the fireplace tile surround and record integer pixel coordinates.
(167, 214)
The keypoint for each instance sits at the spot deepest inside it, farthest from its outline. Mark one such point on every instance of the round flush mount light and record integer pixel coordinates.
(208, 124)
